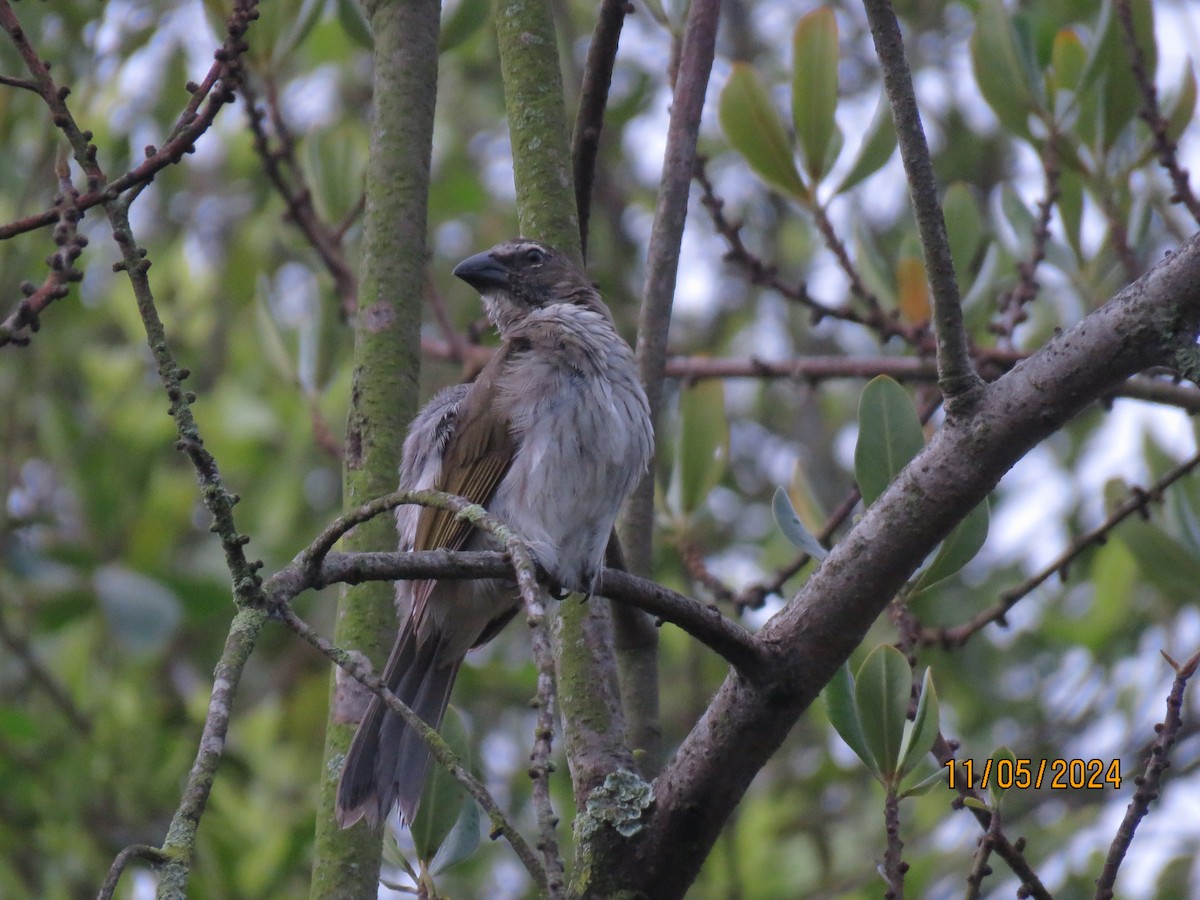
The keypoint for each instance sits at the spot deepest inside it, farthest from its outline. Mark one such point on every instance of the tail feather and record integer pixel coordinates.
(387, 760)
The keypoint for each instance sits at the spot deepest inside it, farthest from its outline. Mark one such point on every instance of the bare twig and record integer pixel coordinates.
(62, 273)
(1012, 305)
(1138, 501)
(979, 863)
(1149, 781)
(760, 272)
(1152, 115)
(297, 195)
(956, 376)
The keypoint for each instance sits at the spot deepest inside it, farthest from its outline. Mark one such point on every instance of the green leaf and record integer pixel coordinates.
(462, 841)
(1182, 105)
(922, 731)
(702, 452)
(881, 692)
(958, 549)
(842, 710)
(964, 229)
(463, 22)
(926, 784)
(1113, 96)
(1005, 71)
(994, 788)
(442, 798)
(889, 436)
(815, 87)
(791, 526)
(1166, 564)
(355, 24)
(754, 129)
(1068, 58)
(877, 147)
(1070, 209)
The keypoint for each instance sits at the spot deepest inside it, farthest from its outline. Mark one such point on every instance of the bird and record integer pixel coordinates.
(551, 437)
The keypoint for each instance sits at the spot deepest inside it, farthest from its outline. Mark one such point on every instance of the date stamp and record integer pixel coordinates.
(1023, 774)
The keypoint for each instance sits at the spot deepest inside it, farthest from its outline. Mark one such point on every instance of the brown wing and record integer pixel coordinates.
(476, 457)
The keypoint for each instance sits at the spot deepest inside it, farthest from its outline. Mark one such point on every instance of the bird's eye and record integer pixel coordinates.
(534, 255)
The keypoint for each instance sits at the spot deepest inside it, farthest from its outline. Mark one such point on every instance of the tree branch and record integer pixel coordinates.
(1148, 783)
(1146, 324)
(956, 376)
(593, 99)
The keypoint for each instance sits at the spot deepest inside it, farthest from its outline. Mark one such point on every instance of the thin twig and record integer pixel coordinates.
(197, 116)
(297, 195)
(24, 319)
(1012, 305)
(1149, 781)
(23, 83)
(1164, 145)
(956, 376)
(1138, 501)
(761, 273)
(979, 863)
(120, 863)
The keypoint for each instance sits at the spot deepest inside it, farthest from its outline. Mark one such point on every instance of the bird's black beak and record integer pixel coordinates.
(482, 272)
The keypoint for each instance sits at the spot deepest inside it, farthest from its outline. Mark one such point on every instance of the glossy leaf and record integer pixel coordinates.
(1004, 70)
(881, 692)
(877, 148)
(791, 526)
(889, 436)
(815, 87)
(960, 547)
(842, 709)
(1112, 91)
(921, 732)
(754, 129)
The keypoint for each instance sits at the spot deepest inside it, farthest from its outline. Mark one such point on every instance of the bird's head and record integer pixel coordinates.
(519, 276)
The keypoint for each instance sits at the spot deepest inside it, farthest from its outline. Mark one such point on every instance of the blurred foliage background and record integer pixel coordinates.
(114, 598)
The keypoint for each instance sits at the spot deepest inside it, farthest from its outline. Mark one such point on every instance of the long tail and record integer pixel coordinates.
(387, 760)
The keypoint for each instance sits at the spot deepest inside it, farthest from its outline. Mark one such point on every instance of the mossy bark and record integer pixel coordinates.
(384, 388)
